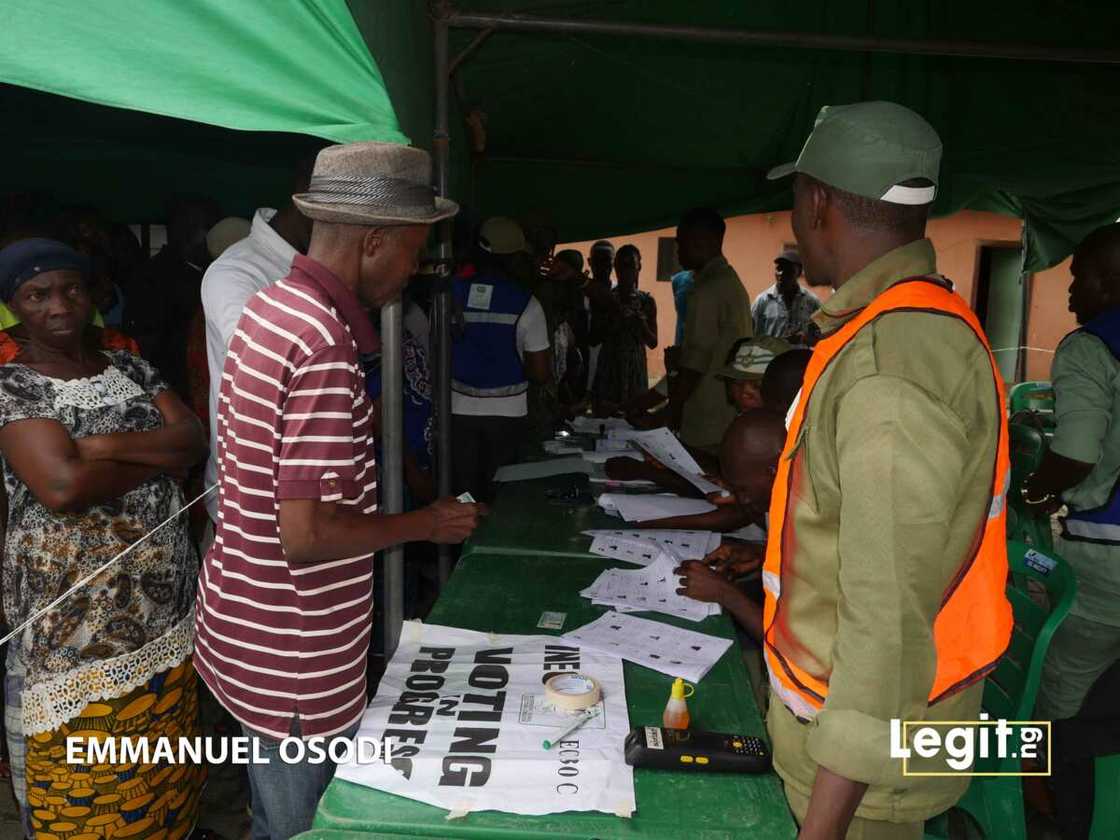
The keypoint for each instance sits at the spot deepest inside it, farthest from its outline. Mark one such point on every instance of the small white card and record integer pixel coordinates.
(479, 297)
(551, 620)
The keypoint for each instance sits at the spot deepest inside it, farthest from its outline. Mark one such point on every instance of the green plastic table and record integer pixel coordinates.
(506, 594)
(523, 520)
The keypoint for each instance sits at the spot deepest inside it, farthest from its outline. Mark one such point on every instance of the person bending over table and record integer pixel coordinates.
(749, 456)
(777, 388)
(285, 595)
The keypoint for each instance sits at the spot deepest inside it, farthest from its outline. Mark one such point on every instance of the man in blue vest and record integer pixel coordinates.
(1082, 469)
(501, 347)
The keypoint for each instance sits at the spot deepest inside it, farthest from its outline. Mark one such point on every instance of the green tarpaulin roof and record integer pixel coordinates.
(616, 134)
(608, 134)
(271, 70)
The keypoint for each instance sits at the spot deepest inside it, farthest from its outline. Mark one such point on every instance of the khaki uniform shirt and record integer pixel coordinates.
(1086, 380)
(905, 420)
(718, 315)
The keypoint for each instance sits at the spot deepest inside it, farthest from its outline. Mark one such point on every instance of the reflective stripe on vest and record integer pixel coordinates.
(485, 361)
(973, 627)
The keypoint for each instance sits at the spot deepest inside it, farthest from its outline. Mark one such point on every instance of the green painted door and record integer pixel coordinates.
(999, 302)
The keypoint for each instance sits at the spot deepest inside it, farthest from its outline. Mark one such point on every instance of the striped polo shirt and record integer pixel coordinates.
(273, 640)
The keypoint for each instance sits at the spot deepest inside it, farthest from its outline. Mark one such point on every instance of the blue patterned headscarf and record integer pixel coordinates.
(28, 258)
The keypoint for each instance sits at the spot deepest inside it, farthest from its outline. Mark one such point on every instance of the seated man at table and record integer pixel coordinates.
(777, 389)
(748, 453)
(749, 457)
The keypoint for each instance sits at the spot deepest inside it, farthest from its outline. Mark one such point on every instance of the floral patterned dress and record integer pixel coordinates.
(622, 373)
(111, 646)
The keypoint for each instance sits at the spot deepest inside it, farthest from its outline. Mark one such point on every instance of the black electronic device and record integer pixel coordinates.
(690, 749)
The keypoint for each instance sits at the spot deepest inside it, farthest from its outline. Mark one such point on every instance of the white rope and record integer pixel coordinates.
(107, 564)
(1024, 347)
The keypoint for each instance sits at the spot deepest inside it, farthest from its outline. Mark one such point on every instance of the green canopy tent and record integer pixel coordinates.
(239, 89)
(274, 73)
(615, 116)
(610, 116)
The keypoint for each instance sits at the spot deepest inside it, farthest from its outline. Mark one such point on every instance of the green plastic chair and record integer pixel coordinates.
(995, 803)
(1027, 445)
(1106, 798)
(1032, 396)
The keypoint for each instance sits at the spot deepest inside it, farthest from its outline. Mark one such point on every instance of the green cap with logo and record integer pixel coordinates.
(870, 149)
(751, 356)
(502, 235)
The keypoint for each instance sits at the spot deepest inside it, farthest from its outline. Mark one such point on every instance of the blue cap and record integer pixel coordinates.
(28, 258)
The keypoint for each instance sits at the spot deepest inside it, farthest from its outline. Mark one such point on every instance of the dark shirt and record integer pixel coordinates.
(166, 297)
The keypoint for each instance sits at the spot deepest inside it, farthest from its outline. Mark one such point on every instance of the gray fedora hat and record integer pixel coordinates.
(373, 184)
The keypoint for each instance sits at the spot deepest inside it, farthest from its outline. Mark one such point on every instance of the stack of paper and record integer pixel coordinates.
(620, 545)
(601, 457)
(662, 647)
(644, 508)
(653, 589)
(562, 447)
(542, 469)
(664, 446)
(597, 425)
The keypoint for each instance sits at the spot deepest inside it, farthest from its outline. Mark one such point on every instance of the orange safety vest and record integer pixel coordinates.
(973, 627)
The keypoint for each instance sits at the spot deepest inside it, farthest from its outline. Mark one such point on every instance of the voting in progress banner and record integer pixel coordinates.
(466, 714)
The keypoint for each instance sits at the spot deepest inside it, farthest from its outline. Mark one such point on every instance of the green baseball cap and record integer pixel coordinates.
(502, 235)
(750, 357)
(870, 148)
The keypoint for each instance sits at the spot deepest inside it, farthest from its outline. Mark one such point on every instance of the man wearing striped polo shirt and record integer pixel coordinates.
(285, 593)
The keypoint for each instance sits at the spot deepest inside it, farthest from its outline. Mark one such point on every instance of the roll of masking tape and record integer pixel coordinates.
(572, 692)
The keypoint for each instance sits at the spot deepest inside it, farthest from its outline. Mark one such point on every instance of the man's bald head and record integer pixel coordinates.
(749, 456)
(1096, 274)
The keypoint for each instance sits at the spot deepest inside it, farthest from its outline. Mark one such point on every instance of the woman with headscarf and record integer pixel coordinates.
(89, 439)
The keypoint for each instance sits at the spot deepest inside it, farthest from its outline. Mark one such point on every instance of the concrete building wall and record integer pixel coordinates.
(752, 242)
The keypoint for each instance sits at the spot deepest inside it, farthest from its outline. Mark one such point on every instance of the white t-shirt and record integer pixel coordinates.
(532, 337)
(257, 261)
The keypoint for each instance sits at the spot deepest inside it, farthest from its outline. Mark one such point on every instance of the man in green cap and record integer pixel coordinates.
(745, 368)
(884, 493)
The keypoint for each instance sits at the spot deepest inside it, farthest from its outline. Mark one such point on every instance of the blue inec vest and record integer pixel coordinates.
(484, 357)
(1100, 525)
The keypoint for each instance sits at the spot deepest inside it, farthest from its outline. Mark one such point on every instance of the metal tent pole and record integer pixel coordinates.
(441, 299)
(799, 40)
(392, 463)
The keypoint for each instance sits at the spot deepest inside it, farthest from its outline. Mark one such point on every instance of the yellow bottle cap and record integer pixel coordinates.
(677, 692)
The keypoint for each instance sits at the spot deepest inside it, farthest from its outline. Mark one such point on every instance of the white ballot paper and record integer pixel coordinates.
(641, 552)
(651, 589)
(664, 446)
(468, 714)
(749, 533)
(689, 545)
(642, 508)
(662, 647)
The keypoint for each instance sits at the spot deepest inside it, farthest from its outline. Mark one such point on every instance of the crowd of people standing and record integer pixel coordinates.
(242, 364)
